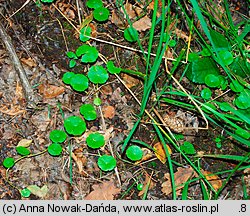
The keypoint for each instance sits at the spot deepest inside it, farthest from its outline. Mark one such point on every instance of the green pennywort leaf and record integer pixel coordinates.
(95, 140)
(112, 68)
(55, 149)
(67, 77)
(134, 153)
(212, 81)
(57, 136)
(8, 162)
(106, 162)
(101, 14)
(88, 53)
(79, 82)
(206, 93)
(93, 4)
(85, 33)
(22, 150)
(25, 192)
(98, 75)
(74, 125)
(88, 112)
(243, 100)
(72, 63)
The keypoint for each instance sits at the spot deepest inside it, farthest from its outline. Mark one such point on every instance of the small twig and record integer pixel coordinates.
(28, 91)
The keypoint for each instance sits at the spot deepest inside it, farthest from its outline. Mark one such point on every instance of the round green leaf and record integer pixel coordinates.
(226, 57)
(89, 53)
(188, 148)
(236, 86)
(74, 125)
(71, 55)
(243, 101)
(72, 63)
(84, 33)
(97, 101)
(95, 140)
(106, 162)
(112, 68)
(134, 153)
(79, 82)
(55, 149)
(101, 14)
(22, 150)
(97, 74)
(131, 34)
(88, 112)
(206, 93)
(25, 192)
(212, 81)
(8, 162)
(57, 136)
(67, 77)
(139, 187)
(94, 4)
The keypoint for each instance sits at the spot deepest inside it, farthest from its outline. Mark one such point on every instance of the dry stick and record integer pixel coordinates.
(28, 91)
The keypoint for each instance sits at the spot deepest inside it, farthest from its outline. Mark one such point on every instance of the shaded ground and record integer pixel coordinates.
(37, 35)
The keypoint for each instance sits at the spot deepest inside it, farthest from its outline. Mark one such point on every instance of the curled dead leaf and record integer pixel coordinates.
(24, 143)
(50, 91)
(104, 191)
(180, 177)
(109, 112)
(213, 179)
(160, 152)
(143, 24)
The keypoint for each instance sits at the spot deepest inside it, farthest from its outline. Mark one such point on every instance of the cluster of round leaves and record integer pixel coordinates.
(97, 74)
(100, 13)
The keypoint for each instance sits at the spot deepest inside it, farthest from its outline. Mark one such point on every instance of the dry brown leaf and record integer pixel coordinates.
(151, 7)
(130, 81)
(132, 11)
(19, 92)
(147, 154)
(142, 24)
(93, 30)
(50, 91)
(67, 10)
(104, 191)
(13, 110)
(181, 34)
(24, 143)
(109, 112)
(119, 21)
(29, 62)
(160, 152)
(180, 177)
(80, 160)
(213, 179)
